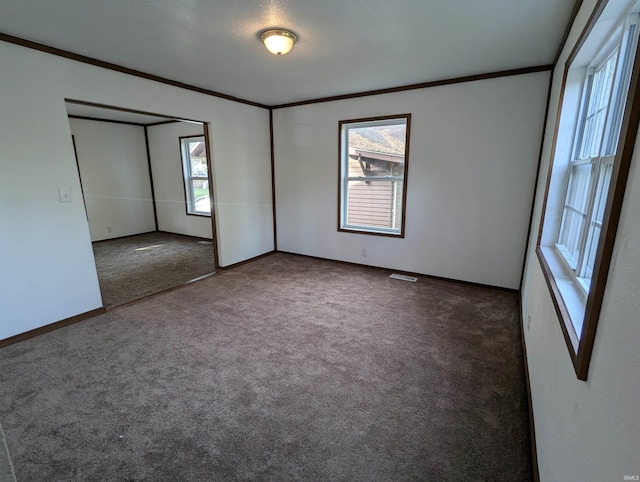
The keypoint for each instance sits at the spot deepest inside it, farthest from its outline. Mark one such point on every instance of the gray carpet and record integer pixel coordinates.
(286, 368)
(6, 467)
(136, 266)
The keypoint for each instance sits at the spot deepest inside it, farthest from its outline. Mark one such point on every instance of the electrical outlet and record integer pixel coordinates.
(528, 321)
(364, 253)
(109, 229)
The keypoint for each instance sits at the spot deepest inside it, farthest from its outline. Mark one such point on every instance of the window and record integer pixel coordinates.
(591, 154)
(594, 153)
(373, 169)
(195, 173)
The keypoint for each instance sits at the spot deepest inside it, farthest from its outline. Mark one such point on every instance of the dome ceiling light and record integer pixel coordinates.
(278, 41)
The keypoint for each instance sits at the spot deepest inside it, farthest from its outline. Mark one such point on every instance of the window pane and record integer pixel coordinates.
(376, 204)
(592, 248)
(570, 238)
(195, 171)
(198, 159)
(574, 213)
(201, 196)
(620, 92)
(604, 179)
(597, 104)
(378, 150)
(578, 191)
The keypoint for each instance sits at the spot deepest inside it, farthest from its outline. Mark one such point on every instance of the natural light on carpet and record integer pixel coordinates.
(149, 247)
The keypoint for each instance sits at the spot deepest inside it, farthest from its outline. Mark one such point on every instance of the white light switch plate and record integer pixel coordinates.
(65, 194)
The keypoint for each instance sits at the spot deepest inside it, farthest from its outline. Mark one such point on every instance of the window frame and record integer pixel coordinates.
(344, 178)
(580, 347)
(188, 178)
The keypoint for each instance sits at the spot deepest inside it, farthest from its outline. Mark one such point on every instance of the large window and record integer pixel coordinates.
(373, 169)
(592, 150)
(196, 178)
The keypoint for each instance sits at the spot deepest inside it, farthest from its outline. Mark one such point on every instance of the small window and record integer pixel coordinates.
(592, 150)
(373, 171)
(196, 175)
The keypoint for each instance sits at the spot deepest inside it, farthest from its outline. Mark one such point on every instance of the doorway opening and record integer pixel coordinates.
(139, 195)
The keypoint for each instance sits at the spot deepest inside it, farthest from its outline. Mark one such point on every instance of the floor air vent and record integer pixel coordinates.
(403, 277)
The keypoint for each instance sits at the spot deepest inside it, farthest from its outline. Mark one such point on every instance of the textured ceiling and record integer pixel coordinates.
(344, 46)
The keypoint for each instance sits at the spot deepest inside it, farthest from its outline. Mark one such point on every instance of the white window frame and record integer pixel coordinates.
(345, 179)
(188, 176)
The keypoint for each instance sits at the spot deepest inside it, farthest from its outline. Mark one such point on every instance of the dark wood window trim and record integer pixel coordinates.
(407, 118)
(628, 132)
(567, 31)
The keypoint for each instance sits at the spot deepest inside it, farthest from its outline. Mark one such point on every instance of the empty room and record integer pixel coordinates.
(420, 235)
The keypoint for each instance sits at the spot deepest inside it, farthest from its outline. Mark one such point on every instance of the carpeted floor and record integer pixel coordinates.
(286, 368)
(136, 266)
(6, 467)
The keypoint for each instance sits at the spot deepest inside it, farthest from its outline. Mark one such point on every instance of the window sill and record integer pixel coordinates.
(568, 297)
(373, 232)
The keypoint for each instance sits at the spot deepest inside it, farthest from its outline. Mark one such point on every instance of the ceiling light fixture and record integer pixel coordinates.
(278, 41)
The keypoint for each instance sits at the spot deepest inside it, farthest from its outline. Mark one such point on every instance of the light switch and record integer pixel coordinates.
(65, 194)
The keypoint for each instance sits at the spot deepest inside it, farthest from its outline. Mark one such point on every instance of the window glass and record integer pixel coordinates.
(196, 176)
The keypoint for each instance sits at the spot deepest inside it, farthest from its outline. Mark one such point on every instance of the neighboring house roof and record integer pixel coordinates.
(384, 140)
(375, 155)
(377, 148)
(198, 149)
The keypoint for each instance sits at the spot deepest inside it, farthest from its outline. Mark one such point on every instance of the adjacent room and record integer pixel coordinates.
(319, 240)
(145, 187)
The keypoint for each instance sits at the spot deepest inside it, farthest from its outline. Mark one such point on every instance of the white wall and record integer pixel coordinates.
(115, 178)
(587, 431)
(168, 183)
(242, 191)
(46, 261)
(472, 162)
